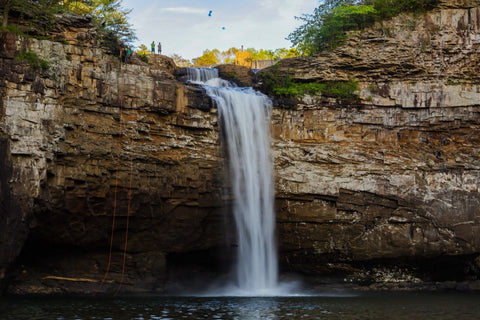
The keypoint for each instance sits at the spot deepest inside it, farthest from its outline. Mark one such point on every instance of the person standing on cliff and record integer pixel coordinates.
(153, 46)
(159, 49)
(128, 54)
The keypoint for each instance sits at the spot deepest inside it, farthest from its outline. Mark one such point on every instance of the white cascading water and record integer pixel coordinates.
(245, 117)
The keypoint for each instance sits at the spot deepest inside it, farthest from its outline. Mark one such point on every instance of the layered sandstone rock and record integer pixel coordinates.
(240, 75)
(90, 138)
(394, 176)
(384, 188)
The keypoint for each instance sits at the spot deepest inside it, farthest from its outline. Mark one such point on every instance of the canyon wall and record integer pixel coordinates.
(392, 178)
(376, 189)
(90, 140)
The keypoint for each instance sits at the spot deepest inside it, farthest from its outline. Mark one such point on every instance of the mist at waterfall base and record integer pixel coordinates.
(244, 116)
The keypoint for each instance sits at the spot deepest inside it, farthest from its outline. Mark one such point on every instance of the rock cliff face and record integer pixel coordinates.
(393, 177)
(384, 188)
(90, 138)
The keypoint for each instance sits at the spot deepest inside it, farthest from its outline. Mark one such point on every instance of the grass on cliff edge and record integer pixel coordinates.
(283, 85)
(33, 60)
(336, 89)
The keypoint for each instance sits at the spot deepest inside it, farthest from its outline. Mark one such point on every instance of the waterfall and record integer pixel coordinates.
(245, 119)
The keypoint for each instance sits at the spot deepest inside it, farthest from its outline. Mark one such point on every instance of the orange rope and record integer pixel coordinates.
(115, 193)
(129, 203)
(128, 216)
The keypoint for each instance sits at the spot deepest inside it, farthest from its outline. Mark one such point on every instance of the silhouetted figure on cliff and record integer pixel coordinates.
(128, 53)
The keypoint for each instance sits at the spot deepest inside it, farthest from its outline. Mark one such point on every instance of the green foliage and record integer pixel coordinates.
(336, 89)
(112, 18)
(215, 56)
(38, 12)
(390, 8)
(342, 19)
(283, 53)
(261, 54)
(33, 60)
(282, 84)
(341, 89)
(451, 82)
(305, 37)
(109, 16)
(143, 56)
(63, 41)
(143, 50)
(272, 79)
(326, 28)
(277, 54)
(228, 56)
(209, 57)
(12, 29)
(44, 37)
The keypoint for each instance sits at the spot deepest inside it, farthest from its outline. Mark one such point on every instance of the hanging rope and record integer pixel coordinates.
(129, 201)
(128, 216)
(116, 184)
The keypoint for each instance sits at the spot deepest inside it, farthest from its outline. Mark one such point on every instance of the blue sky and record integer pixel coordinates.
(184, 27)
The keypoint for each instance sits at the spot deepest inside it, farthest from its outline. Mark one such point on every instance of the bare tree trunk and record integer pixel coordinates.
(6, 8)
(5, 17)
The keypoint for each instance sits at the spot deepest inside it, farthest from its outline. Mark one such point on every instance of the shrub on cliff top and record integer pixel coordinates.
(33, 60)
(390, 8)
(326, 28)
(335, 89)
(37, 17)
(342, 19)
(37, 12)
(282, 84)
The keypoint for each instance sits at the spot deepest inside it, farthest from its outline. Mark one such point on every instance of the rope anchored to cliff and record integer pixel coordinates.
(128, 216)
(114, 214)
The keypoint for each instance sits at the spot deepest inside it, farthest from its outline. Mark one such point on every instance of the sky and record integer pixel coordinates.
(184, 27)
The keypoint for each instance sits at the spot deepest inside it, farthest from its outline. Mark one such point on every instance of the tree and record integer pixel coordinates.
(143, 50)
(327, 26)
(304, 38)
(283, 53)
(340, 20)
(261, 54)
(113, 18)
(209, 57)
(109, 15)
(77, 7)
(6, 5)
(390, 8)
(33, 9)
(228, 56)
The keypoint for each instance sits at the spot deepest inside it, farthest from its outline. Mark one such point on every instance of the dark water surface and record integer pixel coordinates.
(366, 306)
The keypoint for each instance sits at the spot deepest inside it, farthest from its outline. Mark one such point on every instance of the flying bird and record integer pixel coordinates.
(210, 13)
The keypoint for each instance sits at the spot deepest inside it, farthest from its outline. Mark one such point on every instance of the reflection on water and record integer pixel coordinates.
(391, 306)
